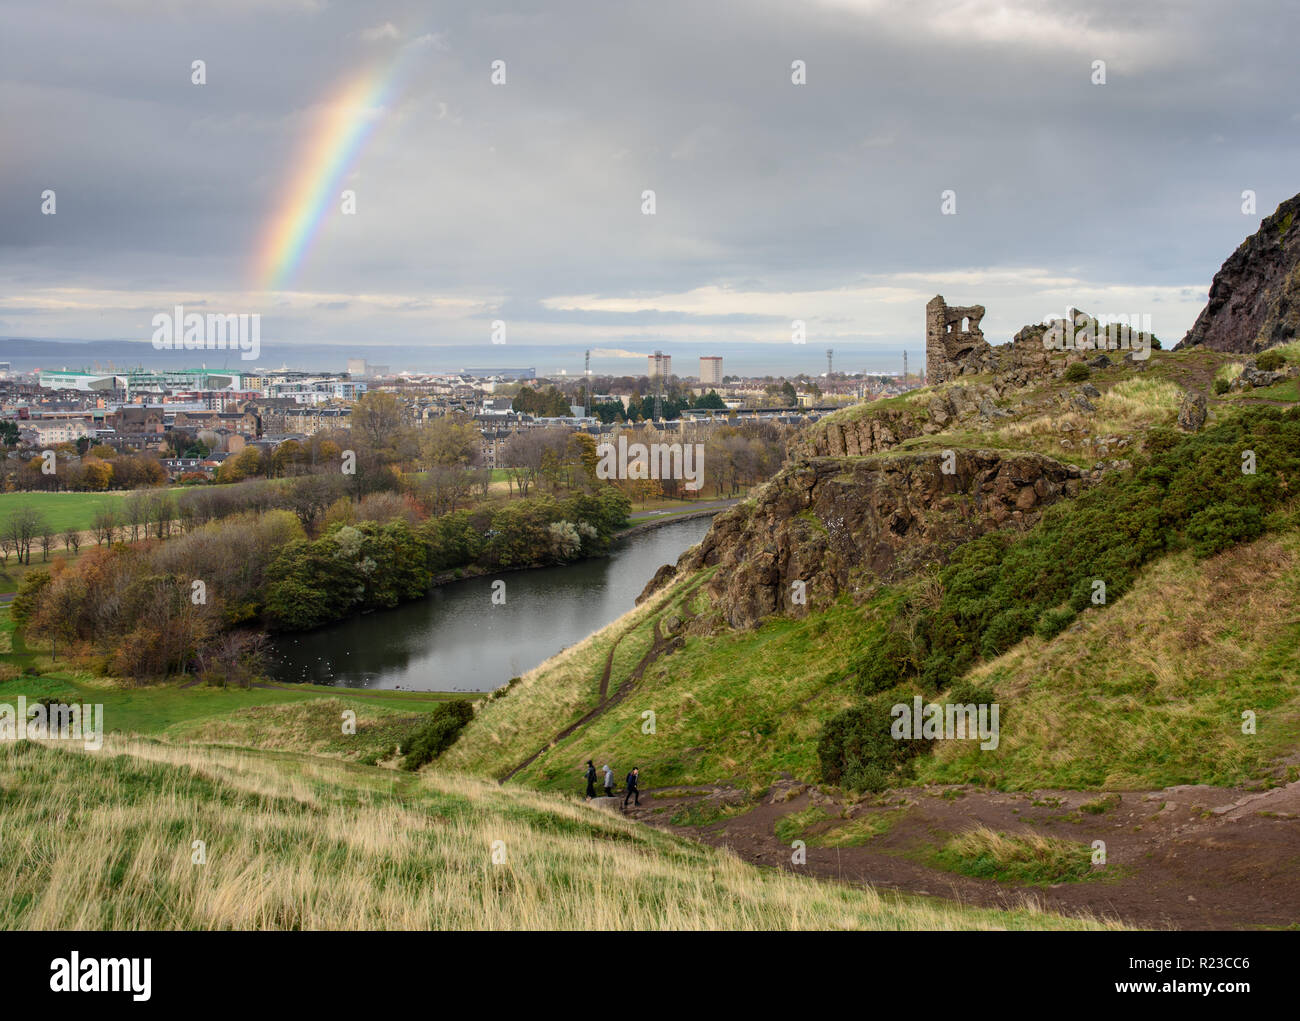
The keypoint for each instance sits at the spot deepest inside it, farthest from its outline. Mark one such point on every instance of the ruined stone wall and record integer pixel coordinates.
(952, 351)
(954, 342)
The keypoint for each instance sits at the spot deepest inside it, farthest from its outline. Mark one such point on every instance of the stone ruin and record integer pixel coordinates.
(955, 346)
(954, 342)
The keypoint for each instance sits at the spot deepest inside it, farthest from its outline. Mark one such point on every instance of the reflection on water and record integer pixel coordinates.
(456, 640)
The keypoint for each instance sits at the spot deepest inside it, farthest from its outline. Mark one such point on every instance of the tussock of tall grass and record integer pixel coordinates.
(1020, 857)
(106, 841)
(1230, 371)
(1139, 401)
(1289, 351)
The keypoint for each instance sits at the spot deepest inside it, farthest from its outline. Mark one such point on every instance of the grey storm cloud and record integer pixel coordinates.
(478, 198)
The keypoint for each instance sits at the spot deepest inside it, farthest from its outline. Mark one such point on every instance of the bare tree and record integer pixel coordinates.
(236, 657)
(104, 525)
(135, 512)
(22, 527)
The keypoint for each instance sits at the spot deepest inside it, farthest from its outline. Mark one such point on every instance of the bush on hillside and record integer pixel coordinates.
(1270, 361)
(1053, 622)
(1077, 373)
(440, 733)
(858, 751)
(1222, 525)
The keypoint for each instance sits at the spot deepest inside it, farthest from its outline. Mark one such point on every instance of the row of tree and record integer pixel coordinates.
(98, 470)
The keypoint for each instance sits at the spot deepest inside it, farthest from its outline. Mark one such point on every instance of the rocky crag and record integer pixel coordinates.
(838, 524)
(1255, 297)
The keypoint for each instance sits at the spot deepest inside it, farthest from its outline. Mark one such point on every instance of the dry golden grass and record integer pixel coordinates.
(1129, 407)
(105, 841)
(1137, 402)
(1230, 371)
(1018, 857)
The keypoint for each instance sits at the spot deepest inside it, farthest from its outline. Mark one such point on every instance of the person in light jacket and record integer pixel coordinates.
(609, 781)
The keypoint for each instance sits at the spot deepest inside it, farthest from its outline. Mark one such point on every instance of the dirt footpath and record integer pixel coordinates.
(1182, 858)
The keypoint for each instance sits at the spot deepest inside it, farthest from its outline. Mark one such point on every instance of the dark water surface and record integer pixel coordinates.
(456, 640)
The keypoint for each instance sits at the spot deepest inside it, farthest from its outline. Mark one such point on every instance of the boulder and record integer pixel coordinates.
(1192, 412)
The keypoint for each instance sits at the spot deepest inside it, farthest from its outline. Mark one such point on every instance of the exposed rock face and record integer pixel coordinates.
(872, 433)
(828, 522)
(661, 578)
(1255, 297)
(877, 430)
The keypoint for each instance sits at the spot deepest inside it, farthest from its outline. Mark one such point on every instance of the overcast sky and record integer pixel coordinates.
(523, 201)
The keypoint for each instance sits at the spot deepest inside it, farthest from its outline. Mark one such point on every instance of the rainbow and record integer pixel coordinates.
(331, 150)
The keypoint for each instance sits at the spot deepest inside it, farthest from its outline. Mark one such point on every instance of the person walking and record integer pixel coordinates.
(591, 779)
(632, 790)
(609, 781)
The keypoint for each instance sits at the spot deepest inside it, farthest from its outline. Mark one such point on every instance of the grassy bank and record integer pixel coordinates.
(300, 843)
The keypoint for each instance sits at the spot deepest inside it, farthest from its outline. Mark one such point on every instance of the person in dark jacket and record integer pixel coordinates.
(632, 790)
(591, 779)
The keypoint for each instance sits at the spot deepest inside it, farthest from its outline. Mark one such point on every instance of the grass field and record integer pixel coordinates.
(61, 510)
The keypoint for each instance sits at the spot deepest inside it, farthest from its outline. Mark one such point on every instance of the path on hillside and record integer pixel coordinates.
(658, 647)
(1187, 857)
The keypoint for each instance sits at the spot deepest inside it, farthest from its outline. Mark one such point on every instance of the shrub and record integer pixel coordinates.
(440, 733)
(1270, 361)
(966, 692)
(1222, 525)
(1221, 386)
(1004, 630)
(1053, 622)
(886, 665)
(1077, 373)
(858, 751)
